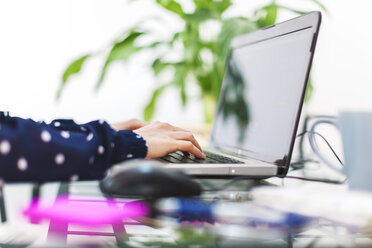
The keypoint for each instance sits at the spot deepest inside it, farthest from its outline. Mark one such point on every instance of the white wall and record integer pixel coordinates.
(39, 38)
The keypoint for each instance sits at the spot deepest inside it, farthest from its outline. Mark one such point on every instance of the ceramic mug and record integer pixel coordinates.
(356, 132)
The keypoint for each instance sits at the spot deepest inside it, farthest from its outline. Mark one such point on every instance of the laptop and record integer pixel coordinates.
(260, 103)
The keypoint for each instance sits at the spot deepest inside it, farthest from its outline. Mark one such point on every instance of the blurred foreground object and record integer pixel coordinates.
(146, 179)
(331, 202)
(85, 212)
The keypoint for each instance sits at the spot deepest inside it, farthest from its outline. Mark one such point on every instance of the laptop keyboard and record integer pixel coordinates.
(212, 158)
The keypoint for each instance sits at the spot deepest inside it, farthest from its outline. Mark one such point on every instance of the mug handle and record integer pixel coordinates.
(314, 146)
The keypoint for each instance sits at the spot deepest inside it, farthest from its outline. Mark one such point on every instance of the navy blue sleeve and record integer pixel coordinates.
(62, 150)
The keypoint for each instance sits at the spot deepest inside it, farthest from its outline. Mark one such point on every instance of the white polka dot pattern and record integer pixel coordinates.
(59, 159)
(90, 137)
(65, 134)
(45, 136)
(5, 147)
(22, 164)
(101, 149)
(57, 124)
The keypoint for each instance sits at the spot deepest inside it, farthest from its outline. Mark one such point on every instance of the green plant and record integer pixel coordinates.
(202, 61)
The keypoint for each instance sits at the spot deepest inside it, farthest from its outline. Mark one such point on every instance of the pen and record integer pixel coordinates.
(242, 213)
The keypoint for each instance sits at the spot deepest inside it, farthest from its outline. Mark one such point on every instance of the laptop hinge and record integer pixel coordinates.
(282, 170)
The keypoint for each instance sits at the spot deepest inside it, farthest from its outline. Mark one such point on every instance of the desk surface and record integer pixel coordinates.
(134, 233)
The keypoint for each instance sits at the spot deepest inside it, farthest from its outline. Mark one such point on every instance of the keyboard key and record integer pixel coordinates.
(176, 156)
(222, 158)
(180, 157)
(170, 159)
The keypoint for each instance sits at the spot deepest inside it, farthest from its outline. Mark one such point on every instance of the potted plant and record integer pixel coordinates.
(203, 59)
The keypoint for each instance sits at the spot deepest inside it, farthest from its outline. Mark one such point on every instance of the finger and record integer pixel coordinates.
(187, 146)
(174, 128)
(186, 133)
(136, 124)
(181, 135)
(140, 124)
(168, 126)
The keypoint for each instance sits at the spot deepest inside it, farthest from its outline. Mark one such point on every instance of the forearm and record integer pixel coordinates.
(61, 150)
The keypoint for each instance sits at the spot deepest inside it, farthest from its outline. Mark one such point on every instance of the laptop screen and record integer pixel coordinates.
(261, 96)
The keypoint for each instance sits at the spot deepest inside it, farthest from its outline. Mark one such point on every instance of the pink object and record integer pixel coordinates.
(88, 213)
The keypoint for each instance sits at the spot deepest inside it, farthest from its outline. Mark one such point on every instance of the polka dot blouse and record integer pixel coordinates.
(62, 150)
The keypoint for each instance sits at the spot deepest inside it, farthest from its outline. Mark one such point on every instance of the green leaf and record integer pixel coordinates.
(223, 5)
(149, 110)
(180, 76)
(201, 4)
(121, 50)
(158, 66)
(175, 37)
(72, 69)
(183, 93)
(201, 16)
(309, 90)
(218, 6)
(267, 15)
(172, 6)
(154, 44)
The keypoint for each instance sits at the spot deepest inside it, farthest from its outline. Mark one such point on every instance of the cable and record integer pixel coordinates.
(304, 128)
(305, 161)
(239, 178)
(325, 140)
(300, 164)
(297, 165)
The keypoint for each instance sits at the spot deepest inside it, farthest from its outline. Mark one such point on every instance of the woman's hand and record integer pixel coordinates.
(131, 124)
(163, 138)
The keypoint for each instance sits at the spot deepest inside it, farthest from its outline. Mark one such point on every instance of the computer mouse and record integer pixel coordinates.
(147, 179)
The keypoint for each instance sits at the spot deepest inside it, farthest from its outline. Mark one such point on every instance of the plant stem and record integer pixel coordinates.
(209, 107)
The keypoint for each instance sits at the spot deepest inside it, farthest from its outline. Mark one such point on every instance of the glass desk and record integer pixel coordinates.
(17, 232)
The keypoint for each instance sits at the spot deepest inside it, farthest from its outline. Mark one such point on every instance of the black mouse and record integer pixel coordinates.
(147, 179)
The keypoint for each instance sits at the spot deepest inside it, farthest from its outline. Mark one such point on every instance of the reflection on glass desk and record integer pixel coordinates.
(164, 232)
